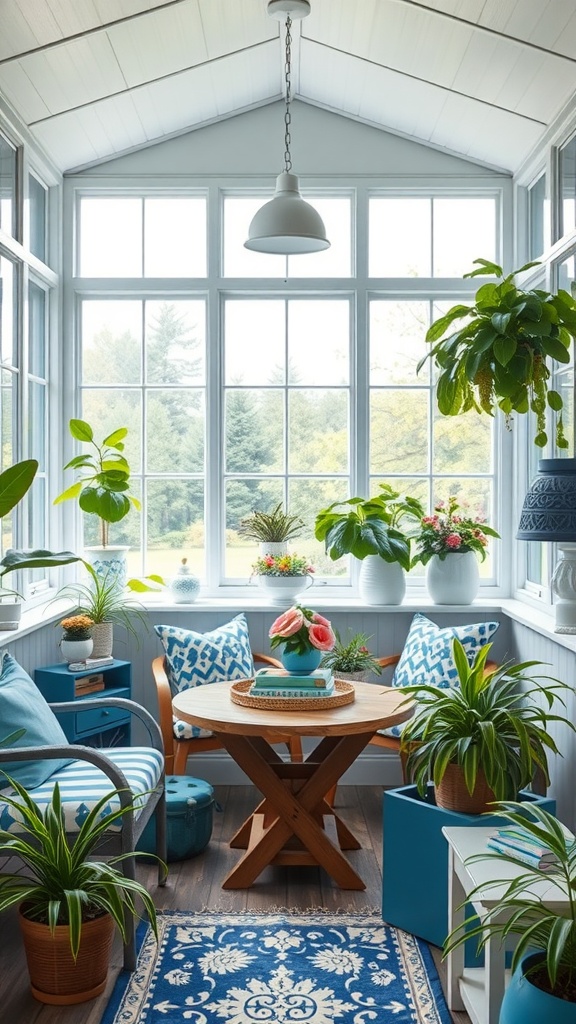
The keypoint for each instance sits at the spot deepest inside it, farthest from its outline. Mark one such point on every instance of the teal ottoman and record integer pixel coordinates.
(415, 861)
(189, 810)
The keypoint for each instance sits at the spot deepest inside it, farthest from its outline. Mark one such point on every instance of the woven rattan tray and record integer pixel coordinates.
(240, 694)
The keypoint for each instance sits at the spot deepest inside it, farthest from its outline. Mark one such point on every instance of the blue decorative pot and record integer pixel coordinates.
(524, 1003)
(301, 664)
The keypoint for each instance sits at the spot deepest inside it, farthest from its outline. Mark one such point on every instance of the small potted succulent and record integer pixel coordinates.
(377, 531)
(351, 659)
(272, 529)
(76, 643)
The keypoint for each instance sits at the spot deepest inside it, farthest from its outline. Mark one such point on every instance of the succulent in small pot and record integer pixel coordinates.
(351, 656)
(275, 526)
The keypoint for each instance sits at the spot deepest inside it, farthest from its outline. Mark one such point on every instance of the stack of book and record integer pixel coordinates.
(84, 685)
(276, 682)
(520, 845)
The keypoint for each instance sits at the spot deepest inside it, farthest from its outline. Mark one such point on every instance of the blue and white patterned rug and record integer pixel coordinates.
(301, 968)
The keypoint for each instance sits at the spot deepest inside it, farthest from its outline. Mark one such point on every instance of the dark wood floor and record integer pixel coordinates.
(196, 885)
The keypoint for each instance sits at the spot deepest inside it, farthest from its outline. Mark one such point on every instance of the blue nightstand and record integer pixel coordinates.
(94, 726)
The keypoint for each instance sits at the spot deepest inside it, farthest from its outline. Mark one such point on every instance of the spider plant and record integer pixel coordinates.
(63, 886)
(271, 527)
(104, 601)
(493, 723)
(520, 911)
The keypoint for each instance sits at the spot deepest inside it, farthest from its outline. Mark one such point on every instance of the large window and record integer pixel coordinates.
(275, 379)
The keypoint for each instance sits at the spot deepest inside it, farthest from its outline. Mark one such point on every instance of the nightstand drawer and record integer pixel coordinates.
(98, 719)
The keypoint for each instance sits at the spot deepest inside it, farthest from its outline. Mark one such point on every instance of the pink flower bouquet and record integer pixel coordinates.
(451, 529)
(301, 630)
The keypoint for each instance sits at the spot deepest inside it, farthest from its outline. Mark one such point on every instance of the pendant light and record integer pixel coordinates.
(287, 224)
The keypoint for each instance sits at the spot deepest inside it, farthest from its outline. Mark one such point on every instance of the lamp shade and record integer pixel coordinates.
(287, 224)
(549, 510)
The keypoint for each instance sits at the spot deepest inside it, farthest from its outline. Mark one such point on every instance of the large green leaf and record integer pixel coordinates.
(440, 326)
(14, 483)
(505, 349)
(81, 430)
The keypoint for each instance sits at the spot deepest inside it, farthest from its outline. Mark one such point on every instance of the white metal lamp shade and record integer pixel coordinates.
(287, 224)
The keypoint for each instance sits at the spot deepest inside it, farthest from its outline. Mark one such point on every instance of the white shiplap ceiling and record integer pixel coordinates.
(479, 78)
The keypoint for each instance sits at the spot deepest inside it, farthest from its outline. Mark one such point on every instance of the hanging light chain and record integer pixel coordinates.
(287, 115)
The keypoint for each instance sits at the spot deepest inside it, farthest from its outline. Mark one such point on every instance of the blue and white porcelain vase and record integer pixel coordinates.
(301, 664)
(184, 586)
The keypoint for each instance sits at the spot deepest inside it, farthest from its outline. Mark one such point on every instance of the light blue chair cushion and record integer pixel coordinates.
(22, 706)
(195, 659)
(83, 784)
(427, 656)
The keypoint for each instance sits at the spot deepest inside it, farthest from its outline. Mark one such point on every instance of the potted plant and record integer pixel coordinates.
(543, 984)
(68, 902)
(450, 542)
(76, 643)
(102, 490)
(499, 358)
(283, 576)
(272, 529)
(483, 739)
(14, 484)
(377, 531)
(304, 636)
(351, 659)
(105, 603)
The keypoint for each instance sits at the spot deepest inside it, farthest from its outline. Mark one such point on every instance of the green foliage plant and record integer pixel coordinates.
(500, 357)
(373, 526)
(103, 489)
(104, 601)
(449, 529)
(63, 885)
(352, 655)
(14, 484)
(271, 527)
(493, 722)
(520, 912)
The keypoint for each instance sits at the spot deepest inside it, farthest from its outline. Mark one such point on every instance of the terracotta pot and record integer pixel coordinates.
(452, 793)
(55, 977)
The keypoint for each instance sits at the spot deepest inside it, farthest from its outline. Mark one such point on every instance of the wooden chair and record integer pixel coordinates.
(177, 751)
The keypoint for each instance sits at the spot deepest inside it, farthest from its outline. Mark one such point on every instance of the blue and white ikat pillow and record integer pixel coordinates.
(194, 659)
(427, 655)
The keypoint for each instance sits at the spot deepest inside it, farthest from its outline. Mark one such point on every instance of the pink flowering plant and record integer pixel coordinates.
(450, 529)
(282, 565)
(301, 630)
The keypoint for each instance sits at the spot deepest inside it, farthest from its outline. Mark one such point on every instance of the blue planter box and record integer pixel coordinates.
(415, 861)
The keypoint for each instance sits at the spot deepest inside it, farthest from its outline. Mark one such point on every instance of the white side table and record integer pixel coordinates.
(480, 990)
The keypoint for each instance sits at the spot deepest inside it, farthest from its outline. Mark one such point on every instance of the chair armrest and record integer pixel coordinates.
(267, 659)
(164, 692)
(117, 702)
(79, 753)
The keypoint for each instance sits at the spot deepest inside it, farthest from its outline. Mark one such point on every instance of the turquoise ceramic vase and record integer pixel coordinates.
(523, 1003)
(301, 664)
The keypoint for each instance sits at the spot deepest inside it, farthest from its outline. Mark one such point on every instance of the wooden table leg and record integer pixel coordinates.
(294, 812)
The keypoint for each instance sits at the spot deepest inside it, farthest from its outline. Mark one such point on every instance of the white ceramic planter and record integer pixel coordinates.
(76, 650)
(10, 612)
(283, 591)
(454, 580)
(273, 547)
(381, 582)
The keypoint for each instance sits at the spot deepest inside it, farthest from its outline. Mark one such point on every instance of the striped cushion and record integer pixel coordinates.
(82, 785)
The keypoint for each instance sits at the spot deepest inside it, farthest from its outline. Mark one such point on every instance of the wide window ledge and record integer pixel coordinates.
(540, 620)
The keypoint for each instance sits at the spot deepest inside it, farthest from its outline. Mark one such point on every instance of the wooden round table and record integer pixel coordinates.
(288, 826)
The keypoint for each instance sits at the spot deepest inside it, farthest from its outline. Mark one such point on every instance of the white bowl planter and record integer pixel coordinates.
(284, 590)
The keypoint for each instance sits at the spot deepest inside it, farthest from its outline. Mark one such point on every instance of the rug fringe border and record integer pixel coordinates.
(350, 910)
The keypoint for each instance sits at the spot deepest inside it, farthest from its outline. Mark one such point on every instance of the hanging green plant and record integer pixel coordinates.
(500, 357)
